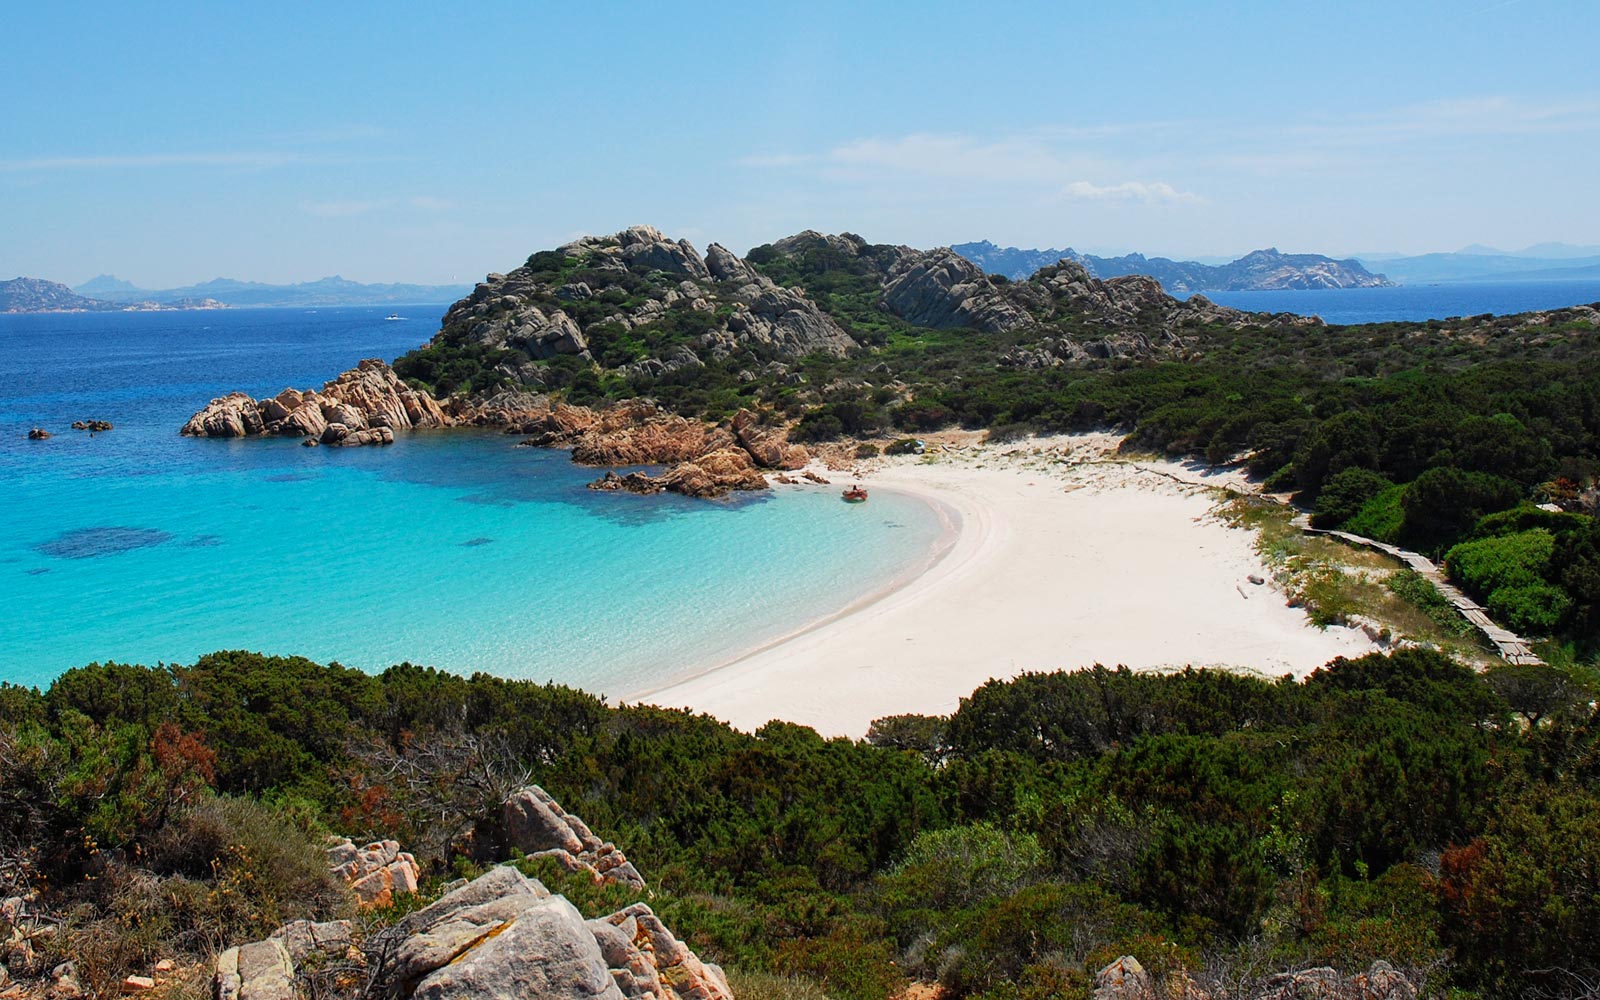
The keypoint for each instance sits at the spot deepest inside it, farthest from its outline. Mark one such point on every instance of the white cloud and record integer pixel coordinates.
(1150, 193)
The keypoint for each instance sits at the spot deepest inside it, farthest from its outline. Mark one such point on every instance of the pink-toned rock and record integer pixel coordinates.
(376, 872)
(138, 984)
(368, 397)
(768, 445)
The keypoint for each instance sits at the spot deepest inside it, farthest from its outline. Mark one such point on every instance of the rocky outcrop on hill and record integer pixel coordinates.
(940, 289)
(501, 936)
(943, 290)
(1127, 979)
(364, 405)
(1261, 269)
(374, 873)
(579, 298)
(536, 825)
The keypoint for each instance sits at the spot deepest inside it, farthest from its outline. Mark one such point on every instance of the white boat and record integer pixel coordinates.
(394, 318)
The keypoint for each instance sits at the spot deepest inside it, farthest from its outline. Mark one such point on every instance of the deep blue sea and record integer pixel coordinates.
(449, 548)
(1416, 302)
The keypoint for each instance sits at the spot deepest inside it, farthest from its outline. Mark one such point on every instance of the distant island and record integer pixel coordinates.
(331, 291)
(1477, 263)
(35, 295)
(1260, 270)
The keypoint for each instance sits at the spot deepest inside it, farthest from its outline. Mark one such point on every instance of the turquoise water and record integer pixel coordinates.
(454, 548)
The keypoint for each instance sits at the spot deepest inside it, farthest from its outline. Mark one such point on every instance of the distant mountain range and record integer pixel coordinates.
(1263, 269)
(334, 291)
(34, 295)
(1542, 262)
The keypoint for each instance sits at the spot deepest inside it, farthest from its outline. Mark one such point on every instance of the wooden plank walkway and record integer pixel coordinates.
(1512, 647)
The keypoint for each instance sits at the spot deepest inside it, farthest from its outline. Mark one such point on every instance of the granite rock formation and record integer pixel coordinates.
(502, 936)
(364, 405)
(536, 825)
(637, 280)
(374, 873)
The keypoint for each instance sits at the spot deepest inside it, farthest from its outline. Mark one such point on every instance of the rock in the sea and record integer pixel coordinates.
(367, 403)
(376, 872)
(38, 434)
(92, 425)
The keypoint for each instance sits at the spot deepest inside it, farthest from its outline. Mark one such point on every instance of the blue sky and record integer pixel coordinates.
(170, 143)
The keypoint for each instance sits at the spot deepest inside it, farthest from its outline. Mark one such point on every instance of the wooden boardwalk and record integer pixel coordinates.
(1512, 647)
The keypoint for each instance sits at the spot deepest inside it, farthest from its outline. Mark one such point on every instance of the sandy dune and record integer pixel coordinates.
(1055, 564)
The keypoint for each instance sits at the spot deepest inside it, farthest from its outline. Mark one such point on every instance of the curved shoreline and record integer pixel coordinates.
(1059, 564)
(944, 548)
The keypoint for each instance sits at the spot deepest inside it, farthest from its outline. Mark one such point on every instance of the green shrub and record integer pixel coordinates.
(1380, 518)
(1534, 609)
(1516, 560)
(1444, 503)
(1345, 494)
(904, 446)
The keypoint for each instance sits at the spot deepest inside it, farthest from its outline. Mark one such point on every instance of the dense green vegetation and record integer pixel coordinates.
(1402, 808)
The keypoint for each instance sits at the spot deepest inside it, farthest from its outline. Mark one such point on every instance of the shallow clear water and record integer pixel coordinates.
(1416, 302)
(452, 548)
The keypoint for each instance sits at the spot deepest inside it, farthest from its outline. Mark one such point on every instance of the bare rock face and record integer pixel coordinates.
(376, 872)
(638, 433)
(642, 277)
(768, 445)
(943, 290)
(505, 936)
(536, 825)
(366, 404)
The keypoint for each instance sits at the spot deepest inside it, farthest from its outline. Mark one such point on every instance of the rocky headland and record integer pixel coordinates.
(646, 312)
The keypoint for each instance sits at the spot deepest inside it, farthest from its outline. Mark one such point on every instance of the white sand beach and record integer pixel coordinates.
(1057, 563)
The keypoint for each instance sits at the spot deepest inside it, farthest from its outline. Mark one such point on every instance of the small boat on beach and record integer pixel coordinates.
(855, 494)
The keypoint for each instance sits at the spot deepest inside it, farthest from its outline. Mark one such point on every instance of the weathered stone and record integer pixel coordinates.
(1124, 979)
(544, 951)
(367, 397)
(376, 872)
(261, 970)
(303, 937)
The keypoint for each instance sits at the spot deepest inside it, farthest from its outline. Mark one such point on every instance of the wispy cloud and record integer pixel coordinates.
(240, 160)
(257, 160)
(1048, 159)
(346, 209)
(1149, 193)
